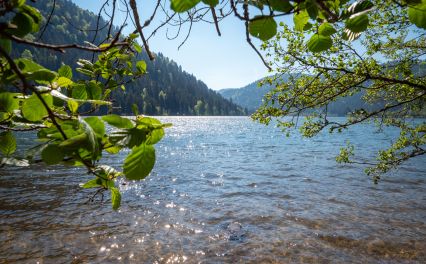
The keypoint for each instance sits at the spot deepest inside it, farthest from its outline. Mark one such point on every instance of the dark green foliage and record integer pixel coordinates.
(168, 90)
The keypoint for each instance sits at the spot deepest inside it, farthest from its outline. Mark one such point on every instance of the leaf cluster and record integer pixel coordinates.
(384, 66)
(317, 18)
(50, 102)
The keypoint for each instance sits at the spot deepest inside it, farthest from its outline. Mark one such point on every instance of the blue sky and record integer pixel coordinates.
(220, 62)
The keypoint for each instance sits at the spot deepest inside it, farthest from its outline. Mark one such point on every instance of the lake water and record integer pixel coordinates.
(223, 190)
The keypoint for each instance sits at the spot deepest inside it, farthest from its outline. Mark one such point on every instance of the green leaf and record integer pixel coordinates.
(326, 29)
(307, 26)
(281, 5)
(139, 162)
(85, 72)
(94, 91)
(300, 20)
(118, 121)
(6, 45)
(358, 23)
(97, 125)
(135, 109)
(105, 45)
(7, 143)
(73, 106)
(183, 5)
(63, 97)
(34, 14)
(149, 122)
(94, 183)
(141, 66)
(312, 9)
(113, 149)
(17, 3)
(257, 3)
(43, 75)
(63, 82)
(65, 71)
(27, 65)
(4, 116)
(79, 91)
(8, 102)
(33, 109)
(74, 142)
(24, 24)
(155, 136)
(71, 128)
(52, 154)
(131, 137)
(157, 131)
(137, 47)
(319, 43)
(93, 145)
(106, 94)
(211, 3)
(417, 14)
(263, 28)
(115, 198)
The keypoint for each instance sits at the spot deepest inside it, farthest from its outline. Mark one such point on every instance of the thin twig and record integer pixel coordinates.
(48, 21)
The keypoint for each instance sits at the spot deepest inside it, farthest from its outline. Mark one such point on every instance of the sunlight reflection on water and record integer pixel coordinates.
(224, 189)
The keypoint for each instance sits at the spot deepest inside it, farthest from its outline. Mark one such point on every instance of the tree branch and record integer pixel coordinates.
(246, 17)
(63, 47)
(139, 28)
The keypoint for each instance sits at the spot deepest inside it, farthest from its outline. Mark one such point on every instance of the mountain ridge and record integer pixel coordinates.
(251, 96)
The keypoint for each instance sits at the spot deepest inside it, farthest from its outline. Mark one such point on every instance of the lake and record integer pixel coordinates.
(223, 190)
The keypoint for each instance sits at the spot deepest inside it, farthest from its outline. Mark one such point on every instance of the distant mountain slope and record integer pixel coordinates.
(250, 97)
(166, 89)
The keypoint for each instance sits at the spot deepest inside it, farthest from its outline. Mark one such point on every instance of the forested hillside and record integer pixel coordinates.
(251, 95)
(165, 90)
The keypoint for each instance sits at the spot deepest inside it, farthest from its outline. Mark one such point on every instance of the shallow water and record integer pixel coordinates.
(223, 190)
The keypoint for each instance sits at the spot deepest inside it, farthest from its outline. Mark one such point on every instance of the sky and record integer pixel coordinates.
(221, 62)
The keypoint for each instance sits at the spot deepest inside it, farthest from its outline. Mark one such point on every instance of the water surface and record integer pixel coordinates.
(223, 190)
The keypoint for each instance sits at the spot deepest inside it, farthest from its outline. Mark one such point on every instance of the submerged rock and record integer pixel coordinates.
(235, 231)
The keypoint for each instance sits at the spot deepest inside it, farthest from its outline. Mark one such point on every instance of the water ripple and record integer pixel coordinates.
(223, 190)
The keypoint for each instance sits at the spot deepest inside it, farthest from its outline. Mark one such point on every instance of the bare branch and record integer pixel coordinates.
(48, 21)
(215, 21)
(139, 28)
(63, 47)
(246, 17)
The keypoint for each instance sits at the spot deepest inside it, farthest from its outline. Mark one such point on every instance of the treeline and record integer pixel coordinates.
(166, 89)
